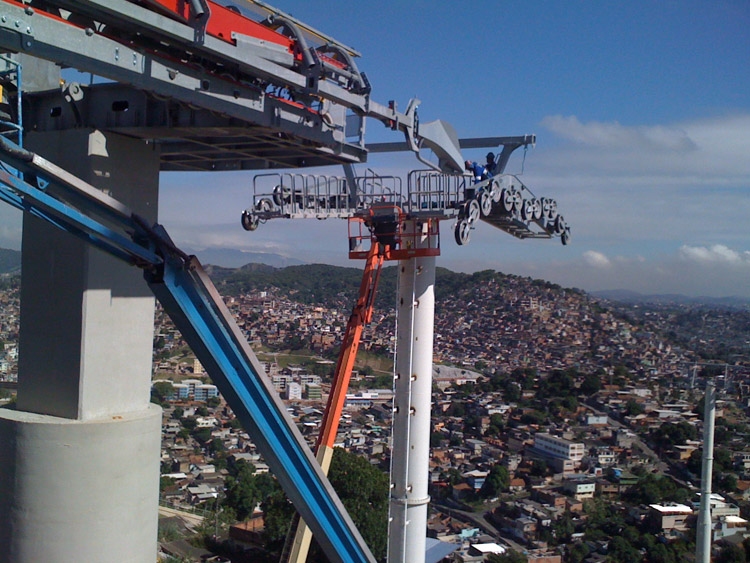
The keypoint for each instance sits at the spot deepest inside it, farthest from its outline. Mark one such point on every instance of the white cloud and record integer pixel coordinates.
(717, 253)
(657, 202)
(615, 135)
(596, 259)
(704, 153)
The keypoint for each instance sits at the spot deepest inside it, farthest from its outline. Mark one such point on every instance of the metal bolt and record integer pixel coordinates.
(29, 11)
(28, 30)
(4, 19)
(135, 59)
(117, 53)
(89, 31)
(18, 23)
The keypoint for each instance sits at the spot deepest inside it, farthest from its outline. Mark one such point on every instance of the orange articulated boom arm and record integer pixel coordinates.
(298, 542)
(361, 315)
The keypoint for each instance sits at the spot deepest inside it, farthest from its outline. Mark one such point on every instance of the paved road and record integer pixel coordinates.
(190, 519)
(480, 521)
(663, 467)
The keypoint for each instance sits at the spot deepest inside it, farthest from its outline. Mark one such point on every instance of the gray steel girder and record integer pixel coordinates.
(44, 37)
(191, 138)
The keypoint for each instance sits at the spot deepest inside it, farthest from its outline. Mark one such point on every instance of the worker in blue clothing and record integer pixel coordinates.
(479, 172)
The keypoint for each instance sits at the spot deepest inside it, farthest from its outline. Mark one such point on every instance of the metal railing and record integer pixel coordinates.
(316, 195)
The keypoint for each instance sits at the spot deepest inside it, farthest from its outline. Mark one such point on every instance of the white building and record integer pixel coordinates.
(581, 490)
(293, 391)
(559, 447)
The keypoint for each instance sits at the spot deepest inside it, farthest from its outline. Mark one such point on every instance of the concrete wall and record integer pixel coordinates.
(74, 491)
(79, 459)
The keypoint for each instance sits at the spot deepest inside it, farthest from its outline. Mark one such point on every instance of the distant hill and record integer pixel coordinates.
(633, 297)
(231, 258)
(10, 261)
(323, 283)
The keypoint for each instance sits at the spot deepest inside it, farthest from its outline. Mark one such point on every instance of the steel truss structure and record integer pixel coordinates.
(238, 95)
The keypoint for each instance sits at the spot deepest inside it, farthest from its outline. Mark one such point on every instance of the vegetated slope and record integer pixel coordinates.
(486, 319)
(713, 332)
(10, 261)
(324, 284)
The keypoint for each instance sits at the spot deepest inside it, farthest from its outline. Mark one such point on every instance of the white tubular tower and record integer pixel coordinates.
(411, 419)
(703, 539)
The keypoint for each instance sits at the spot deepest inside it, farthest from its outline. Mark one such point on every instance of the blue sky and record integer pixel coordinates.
(642, 117)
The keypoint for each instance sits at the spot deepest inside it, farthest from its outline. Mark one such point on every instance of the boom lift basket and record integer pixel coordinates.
(386, 225)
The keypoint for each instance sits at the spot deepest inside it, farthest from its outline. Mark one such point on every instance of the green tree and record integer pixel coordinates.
(671, 434)
(165, 483)
(160, 391)
(577, 552)
(242, 491)
(731, 553)
(497, 425)
(563, 529)
(497, 481)
(621, 551)
(660, 553)
(363, 490)
(591, 384)
(633, 408)
(509, 556)
(539, 468)
(216, 446)
(203, 435)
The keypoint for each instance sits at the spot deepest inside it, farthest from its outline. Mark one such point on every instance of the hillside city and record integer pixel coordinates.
(564, 427)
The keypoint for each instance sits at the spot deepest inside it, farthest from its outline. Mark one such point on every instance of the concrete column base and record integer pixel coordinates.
(74, 491)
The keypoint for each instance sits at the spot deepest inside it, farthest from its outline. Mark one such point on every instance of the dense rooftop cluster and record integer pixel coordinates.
(563, 429)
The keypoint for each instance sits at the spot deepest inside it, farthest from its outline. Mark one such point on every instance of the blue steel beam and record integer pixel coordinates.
(196, 308)
(32, 200)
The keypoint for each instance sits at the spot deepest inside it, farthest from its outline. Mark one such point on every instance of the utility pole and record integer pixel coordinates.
(703, 536)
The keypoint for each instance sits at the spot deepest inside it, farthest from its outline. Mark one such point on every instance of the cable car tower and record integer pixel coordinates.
(405, 224)
(199, 85)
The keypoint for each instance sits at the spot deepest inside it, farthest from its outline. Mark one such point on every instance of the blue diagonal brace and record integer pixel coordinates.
(30, 199)
(196, 308)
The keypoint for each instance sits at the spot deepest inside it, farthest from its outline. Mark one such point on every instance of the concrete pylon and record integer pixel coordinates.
(79, 457)
(410, 457)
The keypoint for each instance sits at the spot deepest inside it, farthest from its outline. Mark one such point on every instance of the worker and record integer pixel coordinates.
(491, 164)
(480, 172)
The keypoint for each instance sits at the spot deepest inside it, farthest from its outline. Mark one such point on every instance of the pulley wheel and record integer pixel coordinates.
(249, 221)
(495, 191)
(472, 211)
(552, 213)
(527, 210)
(517, 200)
(462, 232)
(560, 225)
(281, 195)
(506, 199)
(264, 205)
(565, 236)
(537, 209)
(485, 203)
